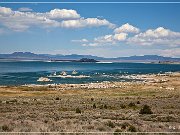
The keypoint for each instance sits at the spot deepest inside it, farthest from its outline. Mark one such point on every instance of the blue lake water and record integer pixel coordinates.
(20, 73)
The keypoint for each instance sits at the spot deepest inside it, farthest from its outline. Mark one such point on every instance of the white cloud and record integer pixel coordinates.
(100, 41)
(63, 14)
(127, 28)
(20, 21)
(159, 36)
(25, 9)
(99, 22)
(80, 41)
(104, 39)
(67, 18)
(89, 22)
(120, 36)
(5, 11)
(107, 39)
(111, 38)
(91, 44)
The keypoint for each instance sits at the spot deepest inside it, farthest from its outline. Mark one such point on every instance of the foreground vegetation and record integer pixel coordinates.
(133, 107)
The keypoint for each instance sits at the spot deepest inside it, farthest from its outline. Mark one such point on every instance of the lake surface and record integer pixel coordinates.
(20, 73)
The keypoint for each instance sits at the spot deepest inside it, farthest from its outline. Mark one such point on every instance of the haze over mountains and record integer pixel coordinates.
(33, 56)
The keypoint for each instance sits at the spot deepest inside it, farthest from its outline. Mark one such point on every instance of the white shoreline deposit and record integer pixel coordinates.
(68, 76)
(145, 79)
(44, 79)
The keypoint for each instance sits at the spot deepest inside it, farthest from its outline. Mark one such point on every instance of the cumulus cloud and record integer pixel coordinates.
(126, 28)
(5, 11)
(89, 22)
(104, 39)
(100, 41)
(120, 35)
(25, 9)
(156, 36)
(111, 38)
(107, 39)
(24, 18)
(20, 21)
(63, 14)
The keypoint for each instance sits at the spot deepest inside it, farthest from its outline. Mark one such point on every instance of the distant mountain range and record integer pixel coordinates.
(33, 56)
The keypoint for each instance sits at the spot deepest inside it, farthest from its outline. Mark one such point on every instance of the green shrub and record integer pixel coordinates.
(92, 99)
(138, 102)
(110, 124)
(57, 98)
(101, 106)
(13, 100)
(124, 125)
(7, 102)
(78, 110)
(94, 106)
(5, 128)
(117, 132)
(122, 106)
(101, 128)
(132, 128)
(105, 106)
(131, 104)
(63, 109)
(145, 110)
(45, 121)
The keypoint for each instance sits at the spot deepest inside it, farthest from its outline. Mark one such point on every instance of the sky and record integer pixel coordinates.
(107, 30)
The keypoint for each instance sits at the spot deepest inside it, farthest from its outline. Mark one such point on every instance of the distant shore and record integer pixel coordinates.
(94, 61)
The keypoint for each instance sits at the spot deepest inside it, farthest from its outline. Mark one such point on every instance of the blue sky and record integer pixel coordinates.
(108, 30)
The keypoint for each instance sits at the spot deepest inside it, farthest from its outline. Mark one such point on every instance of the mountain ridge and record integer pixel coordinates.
(33, 56)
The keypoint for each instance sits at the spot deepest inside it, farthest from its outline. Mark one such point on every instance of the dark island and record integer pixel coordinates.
(87, 60)
(81, 60)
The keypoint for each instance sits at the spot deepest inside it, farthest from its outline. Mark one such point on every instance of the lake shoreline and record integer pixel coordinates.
(137, 78)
